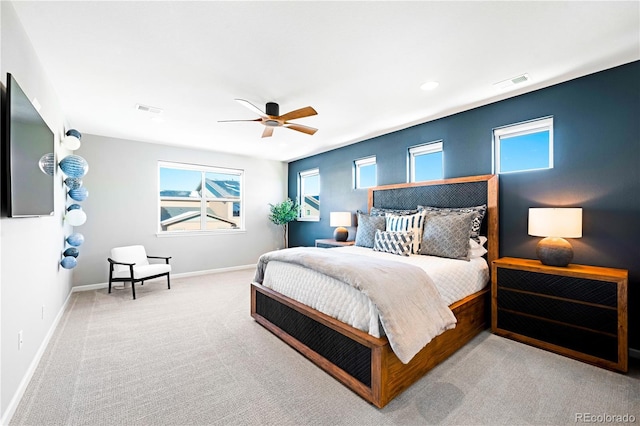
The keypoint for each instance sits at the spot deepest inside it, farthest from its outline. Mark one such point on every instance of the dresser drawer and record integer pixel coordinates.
(599, 345)
(592, 317)
(582, 289)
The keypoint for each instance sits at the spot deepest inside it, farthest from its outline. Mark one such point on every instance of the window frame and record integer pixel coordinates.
(523, 128)
(203, 199)
(363, 162)
(301, 176)
(424, 149)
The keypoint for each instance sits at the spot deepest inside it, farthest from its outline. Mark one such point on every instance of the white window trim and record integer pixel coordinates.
(301, 175)
(519, 129)
(422, 149)
(367, 161)
(203, 200)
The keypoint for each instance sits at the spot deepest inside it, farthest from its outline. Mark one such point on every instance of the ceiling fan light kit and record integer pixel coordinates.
(271, 118)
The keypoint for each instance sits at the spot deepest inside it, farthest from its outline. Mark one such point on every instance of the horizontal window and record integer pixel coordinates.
(524, 146)
(426, 162)
(195, 198)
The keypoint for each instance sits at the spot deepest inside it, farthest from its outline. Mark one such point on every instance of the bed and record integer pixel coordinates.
(364, 363)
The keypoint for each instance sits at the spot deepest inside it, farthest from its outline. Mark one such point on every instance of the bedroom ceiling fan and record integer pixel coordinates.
(271, 118)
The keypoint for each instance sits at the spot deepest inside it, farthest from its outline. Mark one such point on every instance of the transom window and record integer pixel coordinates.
(524, 146)
(426, 162)
(195, 198)
(365, 172)
(309, 194)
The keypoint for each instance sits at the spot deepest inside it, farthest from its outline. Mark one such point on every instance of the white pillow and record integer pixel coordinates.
(476, 249)
(407, 223)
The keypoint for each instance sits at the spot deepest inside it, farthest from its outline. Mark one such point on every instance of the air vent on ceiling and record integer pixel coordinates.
(146, 108)
(505, 84)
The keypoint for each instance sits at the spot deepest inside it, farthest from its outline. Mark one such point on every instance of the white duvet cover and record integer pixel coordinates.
(454, 280)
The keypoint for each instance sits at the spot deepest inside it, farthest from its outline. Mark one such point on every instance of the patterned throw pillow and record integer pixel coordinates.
(480, 212)
(366, 230)
(393, 242)
(447, 235)
(378, 211)
(406, 223)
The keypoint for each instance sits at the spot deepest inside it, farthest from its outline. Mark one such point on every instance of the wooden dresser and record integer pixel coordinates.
(578, 311)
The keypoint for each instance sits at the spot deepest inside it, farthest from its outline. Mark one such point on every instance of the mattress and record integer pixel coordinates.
(454, 280)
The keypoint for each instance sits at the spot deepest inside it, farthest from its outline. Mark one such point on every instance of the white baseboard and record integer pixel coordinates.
(22, 387)
(98, 286)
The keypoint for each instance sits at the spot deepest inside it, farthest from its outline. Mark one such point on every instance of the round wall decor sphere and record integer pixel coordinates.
(76, 239)
(71, 251)
(73, 206)
(79, 194)
(74, 166)
(76, 217)
(68, 262)
(73, 183)
(47, 163)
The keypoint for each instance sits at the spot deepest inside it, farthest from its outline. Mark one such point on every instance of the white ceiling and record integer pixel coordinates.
(359, 64)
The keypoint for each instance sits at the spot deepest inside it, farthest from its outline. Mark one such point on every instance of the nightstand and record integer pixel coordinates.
(578, 311)
(330, 242)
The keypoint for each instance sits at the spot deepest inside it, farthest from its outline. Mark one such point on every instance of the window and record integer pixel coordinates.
(309, 194)
(525, 146)
(365, 172)
(199, 198)
(425, 162)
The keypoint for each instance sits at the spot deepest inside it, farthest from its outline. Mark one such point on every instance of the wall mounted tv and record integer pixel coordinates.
(29, 191)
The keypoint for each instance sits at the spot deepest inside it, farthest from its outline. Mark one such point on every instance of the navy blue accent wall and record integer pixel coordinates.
(596, 167)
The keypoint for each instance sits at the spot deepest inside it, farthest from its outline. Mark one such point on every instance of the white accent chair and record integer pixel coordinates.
(131, 264)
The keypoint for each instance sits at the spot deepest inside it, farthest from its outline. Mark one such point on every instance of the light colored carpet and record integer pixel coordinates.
(192, 355)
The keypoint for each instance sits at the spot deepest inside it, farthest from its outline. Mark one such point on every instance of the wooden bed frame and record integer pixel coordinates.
(363, 363)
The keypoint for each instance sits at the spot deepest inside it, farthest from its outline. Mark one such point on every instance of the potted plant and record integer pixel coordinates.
(283, 213)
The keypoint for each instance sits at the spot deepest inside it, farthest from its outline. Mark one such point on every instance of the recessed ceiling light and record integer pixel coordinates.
(505, 84)
(430, 85)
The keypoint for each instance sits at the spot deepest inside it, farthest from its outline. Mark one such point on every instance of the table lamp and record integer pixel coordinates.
(340, 220)
(555, 224)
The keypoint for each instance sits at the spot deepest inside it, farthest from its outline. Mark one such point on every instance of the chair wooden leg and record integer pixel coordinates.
(133, 289)
(109, 283)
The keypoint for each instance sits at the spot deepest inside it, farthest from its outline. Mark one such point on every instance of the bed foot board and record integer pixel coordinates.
(363, 363)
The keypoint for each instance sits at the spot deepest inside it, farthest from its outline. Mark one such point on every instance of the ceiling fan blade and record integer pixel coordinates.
(299, 113)
(231, 121)
(252, 107)
(268, 131)
(299, 127)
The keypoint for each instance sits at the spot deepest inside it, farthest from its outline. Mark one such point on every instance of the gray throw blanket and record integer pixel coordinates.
(410, 308)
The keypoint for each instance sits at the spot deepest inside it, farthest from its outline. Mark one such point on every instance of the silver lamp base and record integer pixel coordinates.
(554, 251)
(341, 234)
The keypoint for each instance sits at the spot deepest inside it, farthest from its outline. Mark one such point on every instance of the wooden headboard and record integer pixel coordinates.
(458, 192)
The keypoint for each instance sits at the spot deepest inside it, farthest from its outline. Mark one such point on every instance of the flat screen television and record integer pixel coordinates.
(29, 191)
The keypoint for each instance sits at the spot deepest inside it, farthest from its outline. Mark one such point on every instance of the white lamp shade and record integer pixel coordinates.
(340, 219)
(555, 222)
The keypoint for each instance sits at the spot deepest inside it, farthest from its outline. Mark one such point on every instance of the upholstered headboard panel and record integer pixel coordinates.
(457, 192)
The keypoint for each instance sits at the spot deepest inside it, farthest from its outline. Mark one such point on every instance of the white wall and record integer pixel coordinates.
(30, 276)
(122, 208)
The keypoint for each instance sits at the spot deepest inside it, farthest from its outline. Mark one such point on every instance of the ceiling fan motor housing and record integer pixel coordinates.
(272, 109)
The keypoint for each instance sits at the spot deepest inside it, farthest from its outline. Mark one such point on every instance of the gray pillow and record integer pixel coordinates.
(476, 223)
(447, 235)
(399, 243)
(366, 230)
